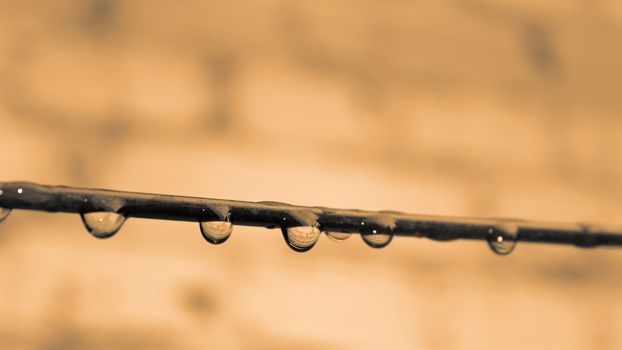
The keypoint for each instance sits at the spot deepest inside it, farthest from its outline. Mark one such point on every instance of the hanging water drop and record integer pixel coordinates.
(376, 239)
(338, 236)
(301, 238)
(4, 212)
(502, 239)
(216, 232)
(377, 232)
(102, 224)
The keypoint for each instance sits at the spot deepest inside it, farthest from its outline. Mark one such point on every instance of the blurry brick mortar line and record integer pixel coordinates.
(29, 196)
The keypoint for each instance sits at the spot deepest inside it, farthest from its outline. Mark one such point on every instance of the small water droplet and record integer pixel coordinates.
(216, 232)
(102, 224)
(20, 191)
(338, 236)
(502, 239)
(4, 212)
(375, 239)
(301, 238)
(377, 232)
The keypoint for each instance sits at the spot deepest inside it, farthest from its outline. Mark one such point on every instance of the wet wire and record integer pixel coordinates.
(377, 226)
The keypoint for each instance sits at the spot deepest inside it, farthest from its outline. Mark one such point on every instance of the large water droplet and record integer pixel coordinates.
(102, 224)
(338, 236)
(376, 232)
(4, 212)
(376, 239)
(216, 232)
(301, 238)
(502, 239)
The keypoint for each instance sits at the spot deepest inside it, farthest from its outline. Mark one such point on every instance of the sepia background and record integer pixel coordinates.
(456, 107)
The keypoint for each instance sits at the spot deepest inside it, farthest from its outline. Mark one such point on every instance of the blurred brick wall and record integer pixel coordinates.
(484, 108)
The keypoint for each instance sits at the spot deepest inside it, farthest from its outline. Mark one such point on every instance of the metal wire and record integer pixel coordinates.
(20, 195)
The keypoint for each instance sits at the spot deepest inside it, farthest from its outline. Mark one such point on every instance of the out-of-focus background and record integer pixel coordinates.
(464, 107)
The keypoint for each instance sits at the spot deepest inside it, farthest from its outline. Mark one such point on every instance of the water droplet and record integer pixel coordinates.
(376, 239)
(4, 212)
(338, 236)
(502, 239)
(216, 232)
(20, 191)
(301, 238)
(102, 224)
(377, 231)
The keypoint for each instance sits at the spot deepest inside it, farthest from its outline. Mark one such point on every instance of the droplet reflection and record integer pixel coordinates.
(216, 232)
(301, 238)
(502, 239)
(377, 232)
(376, 239)
(338, 236)
(102, 224)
